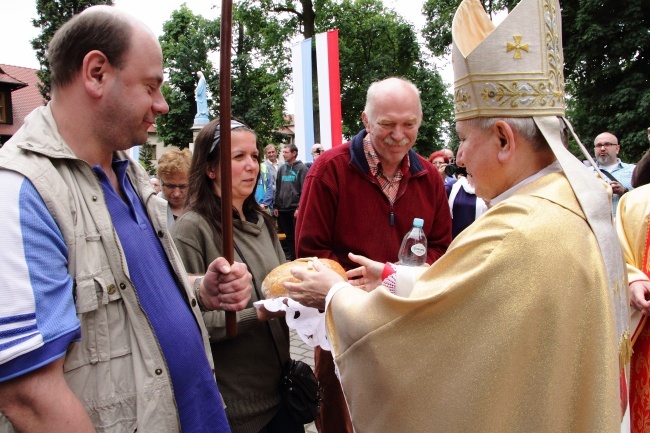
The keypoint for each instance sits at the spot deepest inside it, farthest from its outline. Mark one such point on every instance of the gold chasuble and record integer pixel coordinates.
(633, 226)
(508, 332)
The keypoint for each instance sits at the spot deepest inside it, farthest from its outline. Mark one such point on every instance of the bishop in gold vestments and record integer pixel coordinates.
(510, 331)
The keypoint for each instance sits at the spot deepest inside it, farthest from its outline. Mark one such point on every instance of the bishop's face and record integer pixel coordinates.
(478, 153)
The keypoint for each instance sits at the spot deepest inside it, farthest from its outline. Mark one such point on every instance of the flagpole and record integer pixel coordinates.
(224, 126)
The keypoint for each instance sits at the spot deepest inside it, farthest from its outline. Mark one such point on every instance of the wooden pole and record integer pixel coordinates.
(224, 126)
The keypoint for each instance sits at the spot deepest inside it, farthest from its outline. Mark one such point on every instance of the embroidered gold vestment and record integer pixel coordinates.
(512, 330)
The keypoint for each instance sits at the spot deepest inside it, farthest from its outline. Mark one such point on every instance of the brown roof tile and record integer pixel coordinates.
(23, 100)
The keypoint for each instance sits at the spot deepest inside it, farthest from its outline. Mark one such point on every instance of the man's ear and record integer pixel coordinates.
(364, 118)
(506, 137)
(94, 70)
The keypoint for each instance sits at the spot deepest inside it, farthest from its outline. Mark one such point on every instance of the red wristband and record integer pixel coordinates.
(388, 270)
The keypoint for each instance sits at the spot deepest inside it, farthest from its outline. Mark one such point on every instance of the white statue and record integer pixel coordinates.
(201, 99)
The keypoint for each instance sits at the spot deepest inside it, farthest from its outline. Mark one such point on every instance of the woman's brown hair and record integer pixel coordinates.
(201, 197)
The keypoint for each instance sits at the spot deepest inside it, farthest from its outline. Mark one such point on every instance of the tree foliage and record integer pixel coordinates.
(607, 64)
(52, 14)
(259, 71)
(298, 17)
(440, 14)
(146, 157)
(186, 42)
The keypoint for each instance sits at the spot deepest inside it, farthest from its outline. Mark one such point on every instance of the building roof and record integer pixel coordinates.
(10, 81)
(290, 127)
(23, 100)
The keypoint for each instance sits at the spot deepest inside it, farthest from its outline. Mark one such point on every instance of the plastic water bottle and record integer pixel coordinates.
(413, 251)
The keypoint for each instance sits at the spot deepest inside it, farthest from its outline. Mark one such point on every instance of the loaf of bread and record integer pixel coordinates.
(273, 284)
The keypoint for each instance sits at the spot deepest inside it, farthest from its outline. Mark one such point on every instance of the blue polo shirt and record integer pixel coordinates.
(199, 403)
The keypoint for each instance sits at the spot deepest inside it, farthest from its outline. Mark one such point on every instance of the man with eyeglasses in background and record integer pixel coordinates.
(173, 170)
(618, 173)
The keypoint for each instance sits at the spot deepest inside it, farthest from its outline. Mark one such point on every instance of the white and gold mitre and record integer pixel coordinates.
(513, 70)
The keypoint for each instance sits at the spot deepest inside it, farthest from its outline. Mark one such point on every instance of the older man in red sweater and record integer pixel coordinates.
(361, 197)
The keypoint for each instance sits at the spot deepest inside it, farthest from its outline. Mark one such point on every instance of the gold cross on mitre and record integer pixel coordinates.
(517, 46)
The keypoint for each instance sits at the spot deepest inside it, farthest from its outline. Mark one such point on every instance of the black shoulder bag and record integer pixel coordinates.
(298, 385)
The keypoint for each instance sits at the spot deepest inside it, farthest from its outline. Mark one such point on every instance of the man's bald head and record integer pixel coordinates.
(606, 148)
(606, 136)
(390, 86)
(101, 28)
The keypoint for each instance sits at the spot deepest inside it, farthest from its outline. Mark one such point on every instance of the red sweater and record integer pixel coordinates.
(343, 209)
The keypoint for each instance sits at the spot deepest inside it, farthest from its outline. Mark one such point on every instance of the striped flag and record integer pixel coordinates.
(329, 93)
(303, 98)
(329, 88)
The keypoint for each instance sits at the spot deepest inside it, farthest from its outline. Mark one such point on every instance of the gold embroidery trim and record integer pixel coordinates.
(624, 349)
(526, 94)
(462, 99)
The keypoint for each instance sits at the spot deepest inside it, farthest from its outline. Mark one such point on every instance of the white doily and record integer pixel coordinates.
(308, 322)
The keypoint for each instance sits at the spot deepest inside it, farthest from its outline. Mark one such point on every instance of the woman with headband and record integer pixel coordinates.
(247, 366)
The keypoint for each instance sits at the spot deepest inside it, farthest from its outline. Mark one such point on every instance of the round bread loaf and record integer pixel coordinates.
(273, 284)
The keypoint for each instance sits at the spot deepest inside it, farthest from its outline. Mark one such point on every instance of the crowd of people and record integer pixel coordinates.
(115, 289)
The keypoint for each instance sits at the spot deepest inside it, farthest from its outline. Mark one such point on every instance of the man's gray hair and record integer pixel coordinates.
(525, 126)
(376, 89)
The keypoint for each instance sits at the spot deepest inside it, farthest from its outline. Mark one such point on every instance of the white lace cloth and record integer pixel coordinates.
(308, 322)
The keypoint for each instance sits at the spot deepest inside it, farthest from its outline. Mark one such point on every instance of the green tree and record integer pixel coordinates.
(52, 14)
(147, 155)
(607, 67)
(299, 18)
(259, 70)
(301, 13)
(440, 14)
(437, 108)
(186, 42)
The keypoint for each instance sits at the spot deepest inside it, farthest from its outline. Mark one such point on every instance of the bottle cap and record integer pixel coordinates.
(418, 222)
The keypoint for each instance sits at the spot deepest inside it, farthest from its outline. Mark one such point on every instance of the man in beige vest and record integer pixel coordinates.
(100, 327)
(522, 326)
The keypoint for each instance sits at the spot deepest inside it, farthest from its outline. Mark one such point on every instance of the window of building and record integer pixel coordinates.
(3, 108)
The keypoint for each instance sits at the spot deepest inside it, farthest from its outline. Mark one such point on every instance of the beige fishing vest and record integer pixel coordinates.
(117, 370)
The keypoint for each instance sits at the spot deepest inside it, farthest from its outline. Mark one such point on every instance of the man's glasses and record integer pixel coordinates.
(605, 145)
(318, 151)
(172, 186)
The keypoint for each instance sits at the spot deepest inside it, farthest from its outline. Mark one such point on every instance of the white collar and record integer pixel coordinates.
(552, 168)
